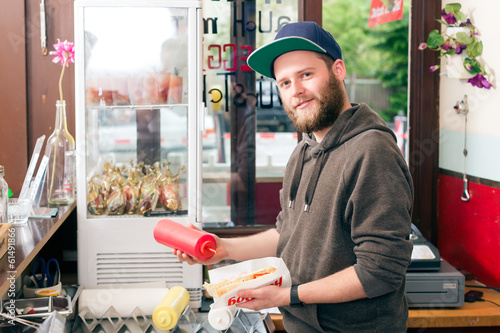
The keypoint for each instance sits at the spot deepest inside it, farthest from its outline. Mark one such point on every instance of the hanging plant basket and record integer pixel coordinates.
(460, 45)
(454, 63)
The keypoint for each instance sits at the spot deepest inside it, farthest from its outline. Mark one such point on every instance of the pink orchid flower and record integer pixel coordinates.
(64, 53)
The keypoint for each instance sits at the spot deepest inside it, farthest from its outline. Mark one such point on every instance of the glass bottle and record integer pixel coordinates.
(4, 197)
(61, 166)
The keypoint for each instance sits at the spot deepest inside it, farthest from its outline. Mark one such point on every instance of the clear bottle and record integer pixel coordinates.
(4, 197)
(61, 166)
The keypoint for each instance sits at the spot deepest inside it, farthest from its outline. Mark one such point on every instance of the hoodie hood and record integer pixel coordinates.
(357, 119)
(352, 122)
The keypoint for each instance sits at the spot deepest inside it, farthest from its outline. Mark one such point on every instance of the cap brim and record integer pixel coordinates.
(262, 59)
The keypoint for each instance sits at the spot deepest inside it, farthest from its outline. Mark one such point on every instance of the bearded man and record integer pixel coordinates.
(346, 201)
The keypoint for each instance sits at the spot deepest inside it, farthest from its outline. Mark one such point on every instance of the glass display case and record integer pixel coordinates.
(139, 119)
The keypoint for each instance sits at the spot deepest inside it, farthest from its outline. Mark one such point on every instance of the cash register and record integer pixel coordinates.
(430, 280)
(425, 256)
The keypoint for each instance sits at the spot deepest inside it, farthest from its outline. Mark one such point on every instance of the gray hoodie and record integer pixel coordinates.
(347, 201)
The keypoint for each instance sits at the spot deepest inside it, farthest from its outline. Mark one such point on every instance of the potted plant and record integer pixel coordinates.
(461, 46)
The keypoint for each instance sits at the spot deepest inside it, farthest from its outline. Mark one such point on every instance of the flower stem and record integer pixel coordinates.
(55, 152)
(58, 120)
(61, 77)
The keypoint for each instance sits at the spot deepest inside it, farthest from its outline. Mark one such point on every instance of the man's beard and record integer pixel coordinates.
(331, 100)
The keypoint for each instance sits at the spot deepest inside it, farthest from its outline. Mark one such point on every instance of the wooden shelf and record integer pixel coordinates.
(29, 238)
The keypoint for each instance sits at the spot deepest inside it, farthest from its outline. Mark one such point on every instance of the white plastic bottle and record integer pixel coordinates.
(4, 197)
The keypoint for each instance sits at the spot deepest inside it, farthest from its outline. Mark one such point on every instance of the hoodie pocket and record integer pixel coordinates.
(301, 320)
(347, 317)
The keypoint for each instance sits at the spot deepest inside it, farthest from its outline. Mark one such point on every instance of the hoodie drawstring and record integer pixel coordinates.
(297, 173)
(313, 181)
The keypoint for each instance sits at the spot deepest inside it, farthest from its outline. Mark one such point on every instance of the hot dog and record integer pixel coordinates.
(220, 288)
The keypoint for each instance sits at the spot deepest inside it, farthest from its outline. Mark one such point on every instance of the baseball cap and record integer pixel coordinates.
(296, 36)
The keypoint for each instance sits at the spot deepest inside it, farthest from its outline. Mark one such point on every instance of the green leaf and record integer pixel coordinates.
(475, 67)
(460, 16)
(463, 38)
(475, 50)
(435, 39)
(479, 48)
(452, 7)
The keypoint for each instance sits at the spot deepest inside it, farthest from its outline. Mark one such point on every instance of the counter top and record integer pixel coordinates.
(29, 240)
(477, 314)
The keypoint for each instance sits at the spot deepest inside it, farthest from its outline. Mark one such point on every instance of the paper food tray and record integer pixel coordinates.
(280, 277)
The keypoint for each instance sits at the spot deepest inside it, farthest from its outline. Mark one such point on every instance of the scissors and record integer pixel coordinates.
(45, 272)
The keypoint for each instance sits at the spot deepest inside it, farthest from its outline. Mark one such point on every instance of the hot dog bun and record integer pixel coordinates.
(220, 288)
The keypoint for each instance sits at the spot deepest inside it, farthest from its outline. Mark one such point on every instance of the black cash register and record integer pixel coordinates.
(430, 281)
(425, 256)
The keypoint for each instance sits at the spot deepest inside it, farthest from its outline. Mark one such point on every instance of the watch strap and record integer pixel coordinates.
(294, 297)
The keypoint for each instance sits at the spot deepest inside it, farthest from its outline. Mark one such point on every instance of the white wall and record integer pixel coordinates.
(483, 123)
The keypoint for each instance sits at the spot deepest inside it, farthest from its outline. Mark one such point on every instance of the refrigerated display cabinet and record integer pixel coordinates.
(139, 119)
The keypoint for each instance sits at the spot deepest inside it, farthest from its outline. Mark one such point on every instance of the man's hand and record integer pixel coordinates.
(265, 297)
(220, 255)
(260, 245)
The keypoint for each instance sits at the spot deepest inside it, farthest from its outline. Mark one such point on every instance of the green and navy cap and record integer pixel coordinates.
(308, 36)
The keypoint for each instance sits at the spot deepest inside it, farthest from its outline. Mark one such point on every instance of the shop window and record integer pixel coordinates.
(248, 135)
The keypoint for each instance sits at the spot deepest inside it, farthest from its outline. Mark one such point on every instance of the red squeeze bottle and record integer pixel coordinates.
(194, 242)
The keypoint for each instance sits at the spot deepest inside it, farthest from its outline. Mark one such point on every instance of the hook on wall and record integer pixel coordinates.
(462, 106)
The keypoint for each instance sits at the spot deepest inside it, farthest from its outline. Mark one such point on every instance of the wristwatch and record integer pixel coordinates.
(294, 297)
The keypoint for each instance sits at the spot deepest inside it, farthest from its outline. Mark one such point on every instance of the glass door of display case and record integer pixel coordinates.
(138, 109)
(138, 131)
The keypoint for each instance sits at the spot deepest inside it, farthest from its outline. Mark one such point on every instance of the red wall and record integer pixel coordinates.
(469, 232)
(267, 202)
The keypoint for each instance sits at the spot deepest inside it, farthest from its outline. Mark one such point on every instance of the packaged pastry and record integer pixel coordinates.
(169, 188)
(116, 202)
(96, 198)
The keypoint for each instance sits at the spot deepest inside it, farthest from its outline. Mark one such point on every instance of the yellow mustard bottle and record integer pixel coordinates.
(174, 303)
